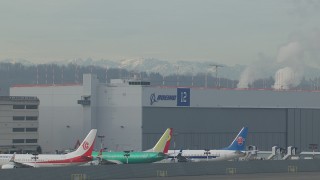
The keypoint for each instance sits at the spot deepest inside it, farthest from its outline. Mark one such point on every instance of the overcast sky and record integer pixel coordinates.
(224, 31)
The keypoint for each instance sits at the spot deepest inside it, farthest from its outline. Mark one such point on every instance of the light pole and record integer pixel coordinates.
(101, 139)
(106, 74)
(162, 80)
(35, 157)
(192, 76)
(174, 146)
(127, 154)
(206, 80)
(69, 138)
(216, 69)
(177, 75)
(207, 153)
(313, 147)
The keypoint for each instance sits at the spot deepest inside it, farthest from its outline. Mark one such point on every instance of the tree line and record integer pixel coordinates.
(17, 73)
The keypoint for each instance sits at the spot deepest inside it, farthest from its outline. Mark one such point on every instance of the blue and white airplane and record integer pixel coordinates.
(234, 150)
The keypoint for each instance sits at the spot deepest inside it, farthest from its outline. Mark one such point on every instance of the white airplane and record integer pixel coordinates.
(80, 156)
(234, 150)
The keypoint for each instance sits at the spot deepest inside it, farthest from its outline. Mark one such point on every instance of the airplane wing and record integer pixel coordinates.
(240, 152)
(103, 161)
(22, 165)
(87, 158)
(19, 164)
(107, 162)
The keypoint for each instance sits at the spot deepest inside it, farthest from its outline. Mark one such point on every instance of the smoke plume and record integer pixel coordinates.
(258, 69)
(247, 77)
(290, 57)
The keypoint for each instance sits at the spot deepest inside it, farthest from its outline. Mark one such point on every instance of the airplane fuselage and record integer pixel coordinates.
(130, 158)
(81, 155)
(234, 150)
(203, 155)
(43, 160)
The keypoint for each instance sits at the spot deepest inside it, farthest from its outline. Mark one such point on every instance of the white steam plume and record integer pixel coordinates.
(256, 70)
(290, 57)
(248, 76)
(292, 53)
(287, 78)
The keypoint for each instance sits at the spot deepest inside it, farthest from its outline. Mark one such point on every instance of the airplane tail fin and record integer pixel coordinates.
(163, 143)
(86, 147)
(239, 142)
(167, 145)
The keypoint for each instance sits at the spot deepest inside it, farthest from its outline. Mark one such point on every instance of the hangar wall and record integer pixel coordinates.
(119, 117)
(214, 128)
(303, 128)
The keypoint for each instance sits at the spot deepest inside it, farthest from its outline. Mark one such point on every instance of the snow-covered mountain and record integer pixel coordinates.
(163, 67)
(166, 68)
(14, 61)
(150, 65)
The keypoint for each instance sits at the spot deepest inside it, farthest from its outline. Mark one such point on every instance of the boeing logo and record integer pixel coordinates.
(154, 98)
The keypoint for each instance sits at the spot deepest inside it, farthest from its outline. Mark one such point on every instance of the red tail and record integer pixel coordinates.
(166, 148)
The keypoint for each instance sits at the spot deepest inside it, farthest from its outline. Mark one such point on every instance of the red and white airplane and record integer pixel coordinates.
(80, 156)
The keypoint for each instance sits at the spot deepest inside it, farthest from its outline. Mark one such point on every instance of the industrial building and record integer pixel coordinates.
(131, 114)
(19, 119)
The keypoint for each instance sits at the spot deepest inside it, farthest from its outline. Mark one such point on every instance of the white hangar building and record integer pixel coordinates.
(132, 115)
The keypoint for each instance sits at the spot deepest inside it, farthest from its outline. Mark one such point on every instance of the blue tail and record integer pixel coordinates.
(239, 143)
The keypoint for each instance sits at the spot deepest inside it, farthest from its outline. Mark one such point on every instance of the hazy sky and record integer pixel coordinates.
(224, 31)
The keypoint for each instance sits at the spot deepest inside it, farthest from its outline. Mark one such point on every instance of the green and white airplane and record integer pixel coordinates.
(157, 153)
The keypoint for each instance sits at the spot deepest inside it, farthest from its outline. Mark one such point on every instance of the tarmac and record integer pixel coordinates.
(258, 176)
(260, 170)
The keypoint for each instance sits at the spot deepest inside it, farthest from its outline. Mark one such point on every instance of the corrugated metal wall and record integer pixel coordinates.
(214, 128)
(303, 128)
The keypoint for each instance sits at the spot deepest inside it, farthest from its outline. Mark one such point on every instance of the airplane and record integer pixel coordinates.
(157, 153)
(234, 150)
(80, 156)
